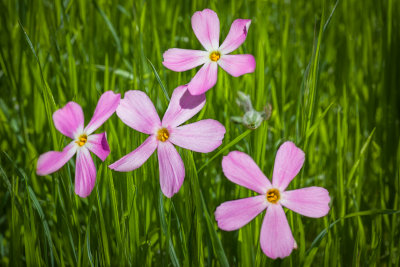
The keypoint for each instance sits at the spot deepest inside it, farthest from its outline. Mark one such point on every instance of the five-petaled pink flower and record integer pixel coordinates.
(205, 25)
(69, 121)
(276, 238)
(138, 112)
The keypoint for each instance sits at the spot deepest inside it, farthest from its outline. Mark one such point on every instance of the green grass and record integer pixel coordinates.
(332, 76)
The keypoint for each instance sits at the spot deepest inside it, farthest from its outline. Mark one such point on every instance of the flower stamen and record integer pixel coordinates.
(273, 195)
(214, 56)
(81, 140)
(163, 134)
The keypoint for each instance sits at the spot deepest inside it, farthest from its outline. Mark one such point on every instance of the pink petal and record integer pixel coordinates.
(85, 174)
(288, 162)
(232, 215)
(106, 106)
(310, 201)
(97, 143)
(182, 107)
(205, 25)
(202, 136)
(237, 65)
(177, 59)
(172, 170)
(204, 79)
(69, 119)
(236, 36)
(52, 161)
(276, 238)
(241, 169)
(138, 112)
(137, 157)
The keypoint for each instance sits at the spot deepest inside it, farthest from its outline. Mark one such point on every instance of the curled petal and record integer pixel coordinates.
(241, 169)
(310, 201)
(201, 136)
(85, 174)
(205, 25)
(236, 36)
(172, 170)
(106, 106)
(97, 143)
(177, 59)
(182, 107)
(288, 162)
(276, 238)
(69, 120)
(52, 161)
(204, 79)
(237, 65)
(138, 112)
(232, 215)
(136, 158)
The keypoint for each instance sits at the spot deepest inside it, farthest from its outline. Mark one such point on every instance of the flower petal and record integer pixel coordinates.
(172, 170)
(232, 215)
(276, 238)
(97, 143)
(136, 158)
(236, 36)
(138, 112)
(52, 161)
(288, 162)
(182, 107)
(204, 79)
(106, 106)
(241, 169)
(205, 25)
(177, 59)
(85, 174)
(202, 136)
(237, 65)
(310, 201)
(69, 119)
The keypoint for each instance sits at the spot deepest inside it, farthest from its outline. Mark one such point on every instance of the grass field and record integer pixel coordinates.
(330, 71)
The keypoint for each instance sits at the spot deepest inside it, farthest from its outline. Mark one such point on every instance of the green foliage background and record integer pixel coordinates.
(331, 73)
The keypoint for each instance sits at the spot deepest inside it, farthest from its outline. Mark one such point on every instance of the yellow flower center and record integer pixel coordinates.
(273, 195)
(163, 134)
(82, 140)
(214, 56)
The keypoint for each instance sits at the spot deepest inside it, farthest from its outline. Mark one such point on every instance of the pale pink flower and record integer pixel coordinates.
(276, 238)
(138, 112)
(70, 122)
(205, 25)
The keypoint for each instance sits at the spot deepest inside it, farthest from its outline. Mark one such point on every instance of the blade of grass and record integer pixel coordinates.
(159, 80)
(222, 150)
(164, 227)
(323, 233)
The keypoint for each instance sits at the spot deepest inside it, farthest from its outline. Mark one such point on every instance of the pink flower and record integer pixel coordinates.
(69, 121)
(205, 25)
(138, 112)
(276, 238)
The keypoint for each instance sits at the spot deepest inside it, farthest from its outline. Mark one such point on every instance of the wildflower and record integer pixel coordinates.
(138, 112)
(276, 238)
(69, 121)
(205, 25)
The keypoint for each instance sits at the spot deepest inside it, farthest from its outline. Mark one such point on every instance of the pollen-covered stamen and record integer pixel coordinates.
(163, 134)
(81, 140)
(273, 195)
(214, 56)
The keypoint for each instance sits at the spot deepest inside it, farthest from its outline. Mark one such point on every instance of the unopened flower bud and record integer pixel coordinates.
(267, 112)
(252, 119)
(244, 102)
